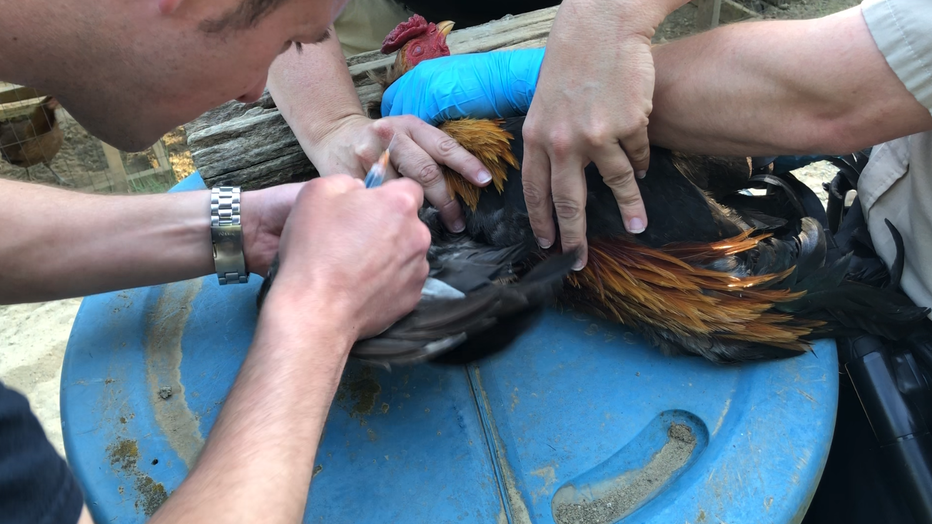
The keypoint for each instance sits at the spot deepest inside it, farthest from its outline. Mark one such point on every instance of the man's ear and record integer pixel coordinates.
(168, 7)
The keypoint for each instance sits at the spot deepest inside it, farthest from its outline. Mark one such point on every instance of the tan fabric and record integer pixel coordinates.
(897, 182)
(363, 24)
(897, 185)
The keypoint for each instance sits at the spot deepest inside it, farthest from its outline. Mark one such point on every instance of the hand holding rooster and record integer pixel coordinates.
(316, 97)
(592, 105)
(591, 101)
(362, 253)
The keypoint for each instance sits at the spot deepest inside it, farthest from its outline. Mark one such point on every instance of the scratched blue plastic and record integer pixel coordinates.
(573, 404)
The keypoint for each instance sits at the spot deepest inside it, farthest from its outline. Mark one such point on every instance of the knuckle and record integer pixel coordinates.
(339, 182)
(366, 153)
(635, 124)
(531, 133)
(640, 154)
(408, 120)
(409, 204)
(429, 175)
(570, 242)
(533, 195)
(629, 199)
(448, 145)
(402, 203)
(383, 126)
(597, 134)
(561, 143)
(619, 177)
(423, 239)
(566, 209)
(447, 206)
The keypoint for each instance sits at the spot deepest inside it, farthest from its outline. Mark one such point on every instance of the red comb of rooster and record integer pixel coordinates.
(405, 31)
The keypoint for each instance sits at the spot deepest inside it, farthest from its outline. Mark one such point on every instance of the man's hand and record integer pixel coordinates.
(264, 215)
(353, 260)
(354, 143)
(316, 97)
(360, 251)
(592, 104)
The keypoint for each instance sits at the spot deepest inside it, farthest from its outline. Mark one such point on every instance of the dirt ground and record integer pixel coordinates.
(33, 336)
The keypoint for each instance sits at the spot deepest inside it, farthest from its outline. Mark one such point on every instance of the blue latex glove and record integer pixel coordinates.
(481, 85)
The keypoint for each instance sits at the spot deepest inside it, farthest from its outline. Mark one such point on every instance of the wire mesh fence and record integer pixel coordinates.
(41, 143)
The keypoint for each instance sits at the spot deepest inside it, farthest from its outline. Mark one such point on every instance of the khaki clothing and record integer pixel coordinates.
(363, 24)
(897, 182)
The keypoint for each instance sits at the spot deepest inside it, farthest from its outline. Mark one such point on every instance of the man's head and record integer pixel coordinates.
(130, 70)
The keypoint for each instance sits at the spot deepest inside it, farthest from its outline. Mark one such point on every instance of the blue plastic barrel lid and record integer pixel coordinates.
(579, 422)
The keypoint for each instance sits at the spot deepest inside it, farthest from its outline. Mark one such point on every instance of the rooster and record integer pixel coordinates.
(34, 141)
(744, 281)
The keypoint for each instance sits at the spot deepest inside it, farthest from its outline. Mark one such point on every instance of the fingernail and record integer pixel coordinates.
(635, 226)
(641, 174)
(578, 265)
(459, 225)
(484, 177)
(544, 243)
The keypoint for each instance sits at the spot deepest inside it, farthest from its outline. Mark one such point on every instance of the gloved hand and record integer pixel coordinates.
(481, 85)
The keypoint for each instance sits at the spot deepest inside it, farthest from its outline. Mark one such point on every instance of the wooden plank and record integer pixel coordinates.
(709, 14)
(119, 182)
(734, 12)
(13, 112)
(161, 156)
(251, 145)
(11, 93)
(148, 172)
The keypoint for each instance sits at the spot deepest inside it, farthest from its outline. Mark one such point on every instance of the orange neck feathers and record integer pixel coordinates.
(488, 142)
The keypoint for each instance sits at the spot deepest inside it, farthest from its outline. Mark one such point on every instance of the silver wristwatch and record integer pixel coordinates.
(226, 234)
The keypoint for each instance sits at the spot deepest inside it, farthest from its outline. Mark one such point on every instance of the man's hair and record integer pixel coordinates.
(246, 16)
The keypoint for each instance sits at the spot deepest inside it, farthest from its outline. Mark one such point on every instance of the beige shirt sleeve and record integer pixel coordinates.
(902, 30)
(896, 184)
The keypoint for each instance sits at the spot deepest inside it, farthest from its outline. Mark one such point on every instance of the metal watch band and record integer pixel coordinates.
(226, 235)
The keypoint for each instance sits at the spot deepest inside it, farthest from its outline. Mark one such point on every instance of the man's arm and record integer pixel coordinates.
(258, 462)
(315, 94)
(780, 87)
(353, 260)
(56, 243)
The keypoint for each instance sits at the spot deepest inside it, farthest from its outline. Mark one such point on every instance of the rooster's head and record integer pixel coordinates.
(416, 41)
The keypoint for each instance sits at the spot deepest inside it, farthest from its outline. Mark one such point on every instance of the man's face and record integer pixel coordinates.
(155, 71)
